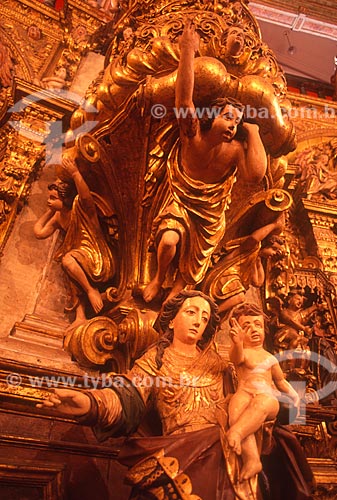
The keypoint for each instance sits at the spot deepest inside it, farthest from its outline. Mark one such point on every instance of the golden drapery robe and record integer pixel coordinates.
(188, 394)
(232, 275)
(188, 391)
(86, 241)
(197, 212)
(192, 461)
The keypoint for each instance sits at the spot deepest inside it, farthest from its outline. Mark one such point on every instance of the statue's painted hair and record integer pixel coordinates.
(66, 191)
(270, 240)
(169, 312)
(247, 309)
(207, 119)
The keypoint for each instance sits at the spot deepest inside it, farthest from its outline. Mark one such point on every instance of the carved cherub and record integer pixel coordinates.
(295, 319)
(85, 254)
(202, 173)
(57, 81)
(260, 379)
(292, 324)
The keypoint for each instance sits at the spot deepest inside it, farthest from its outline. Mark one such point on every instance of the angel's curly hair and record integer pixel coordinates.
(169, 312)
(247, 309)
(270, 240)
(207, 119)
(66, 191)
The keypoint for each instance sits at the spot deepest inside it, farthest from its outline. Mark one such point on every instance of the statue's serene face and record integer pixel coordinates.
(296, 301)
(191, 320)
(253, 328)
(226, 123)
(272, 250)
(54, 202)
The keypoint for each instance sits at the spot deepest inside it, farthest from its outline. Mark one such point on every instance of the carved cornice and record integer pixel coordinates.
(48, 478)
(314, 119)
(36, 111)
(321, 214)
(95, 449)
(300, 20)
(315, 9)
(325, 472)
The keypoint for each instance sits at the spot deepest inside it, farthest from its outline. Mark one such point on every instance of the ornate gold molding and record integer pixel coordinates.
(24, 147)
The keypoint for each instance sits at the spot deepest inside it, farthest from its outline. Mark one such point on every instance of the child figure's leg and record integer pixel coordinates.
(75, 271)
(237, 406)
(165, 254)
(245, 420)
(250, 458)
(262, 407)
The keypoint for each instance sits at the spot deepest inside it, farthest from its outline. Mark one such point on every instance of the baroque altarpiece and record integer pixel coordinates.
(95, 82)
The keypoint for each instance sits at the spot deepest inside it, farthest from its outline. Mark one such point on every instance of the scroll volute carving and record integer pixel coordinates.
(100, 341)
(137, 127)
(141, 74)
(93, 343)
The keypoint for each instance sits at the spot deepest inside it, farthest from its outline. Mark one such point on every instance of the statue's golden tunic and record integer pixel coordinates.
(188, 390)
(197, 212)
(233, 275)
(85, 239)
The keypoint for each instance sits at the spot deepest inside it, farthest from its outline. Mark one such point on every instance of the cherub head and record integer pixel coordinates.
(235, 41)
(251, 319)
(271, 246)
(223, 116)
(61, 194)
(128, 34)
(295, 300)
(34, 32)
(61, 72)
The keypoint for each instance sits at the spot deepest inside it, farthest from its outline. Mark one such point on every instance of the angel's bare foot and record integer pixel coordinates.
(151, 290)
(250, 468)
(95, 299)
(234, 441)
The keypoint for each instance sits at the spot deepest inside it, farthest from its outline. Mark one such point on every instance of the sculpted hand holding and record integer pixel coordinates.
(183, 376)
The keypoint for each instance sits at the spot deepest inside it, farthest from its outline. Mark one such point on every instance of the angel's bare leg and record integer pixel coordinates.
(165, 254)
(75, 271)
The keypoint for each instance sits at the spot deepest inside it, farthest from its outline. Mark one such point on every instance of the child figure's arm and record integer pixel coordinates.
(46, 225)
(253, 162)
(236, 352)
(283, 385)
(82, 188)
(189, 44)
